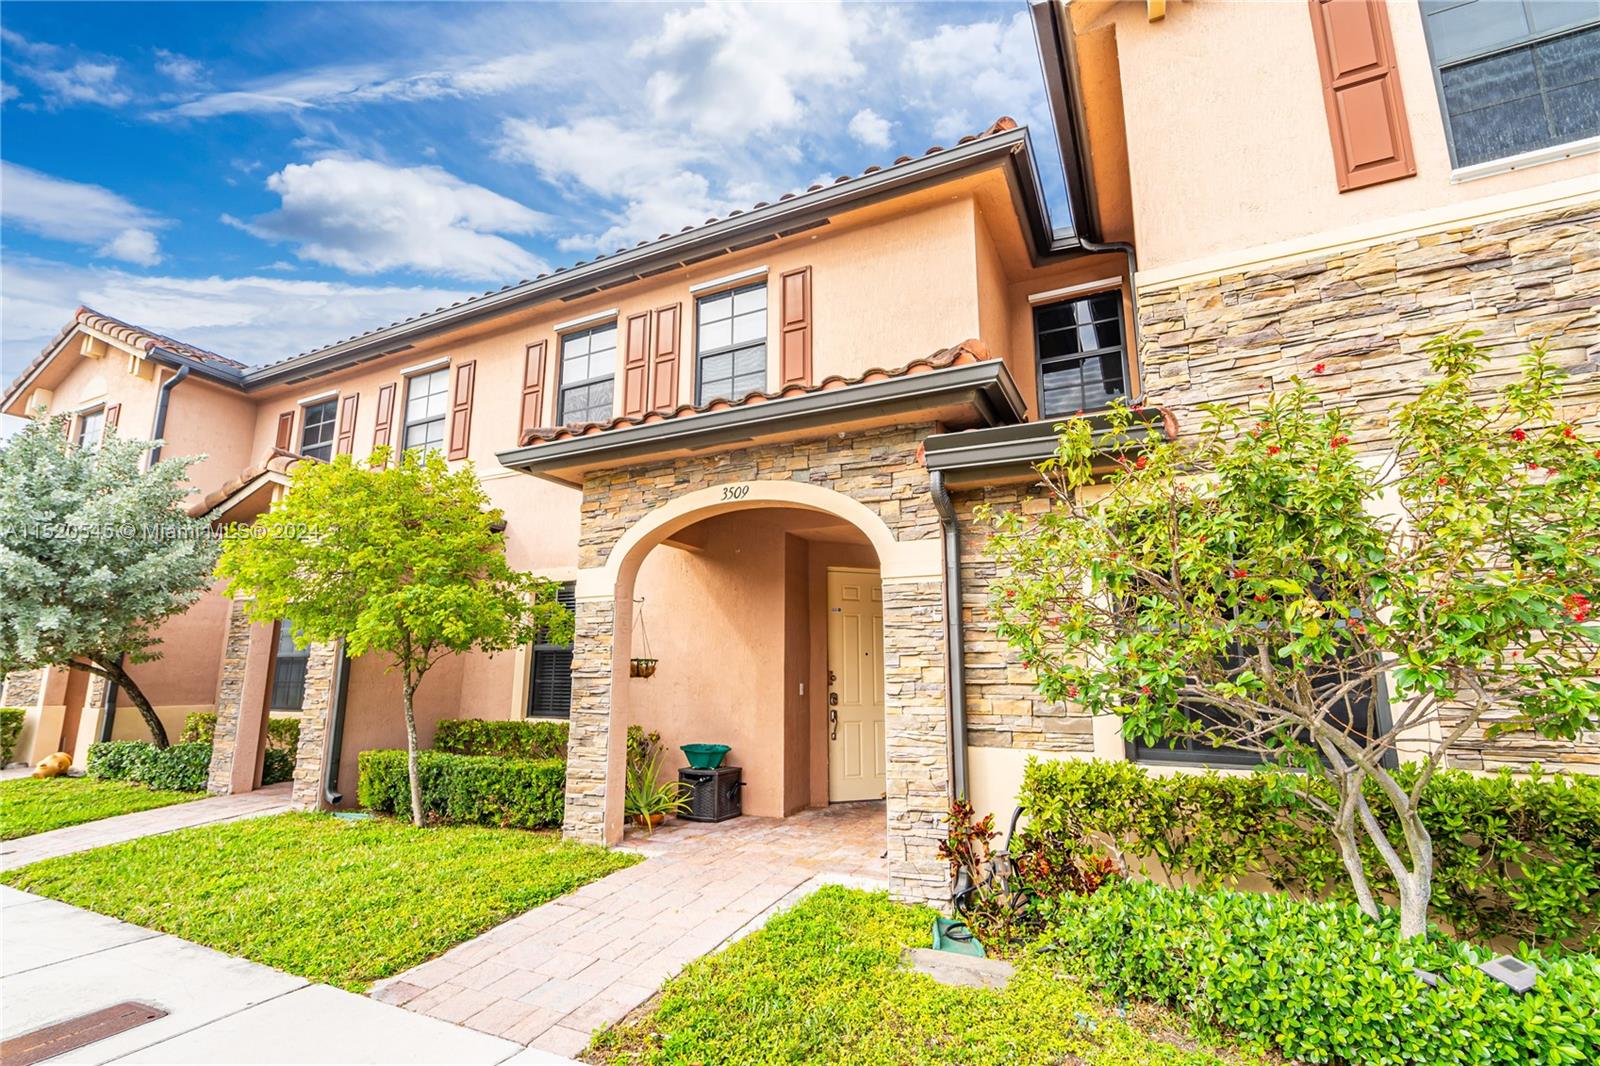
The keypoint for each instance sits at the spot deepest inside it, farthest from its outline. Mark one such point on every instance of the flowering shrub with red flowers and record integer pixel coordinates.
(1215, 596)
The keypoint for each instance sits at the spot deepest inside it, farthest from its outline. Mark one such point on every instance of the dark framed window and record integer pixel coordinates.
(91, 428)
(427, 401)
(731, 343)
(588, 374)
(1083, 365)
(316, 435)
(1514, 76)
(289, 672)
(550, 686)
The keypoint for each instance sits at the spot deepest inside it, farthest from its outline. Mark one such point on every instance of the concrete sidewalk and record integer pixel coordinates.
(59, 962)
(274, 799)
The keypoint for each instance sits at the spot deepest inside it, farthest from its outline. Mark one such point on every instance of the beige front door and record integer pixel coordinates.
(855, 685)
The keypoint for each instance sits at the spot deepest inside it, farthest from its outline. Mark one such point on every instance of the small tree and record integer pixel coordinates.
(95, 553)
(1254, 586)
(406, 559)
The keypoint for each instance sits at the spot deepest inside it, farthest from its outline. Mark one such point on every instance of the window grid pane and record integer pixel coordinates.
(731, 344)
(316, 437)
(425, 410)
(91, 427)
(588, 363)
(1081, 359)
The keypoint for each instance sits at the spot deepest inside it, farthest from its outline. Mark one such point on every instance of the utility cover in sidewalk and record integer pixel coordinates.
(962, 971)
(74, 1033)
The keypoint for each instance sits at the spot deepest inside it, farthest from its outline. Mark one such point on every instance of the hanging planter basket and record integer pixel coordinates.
(645, 666)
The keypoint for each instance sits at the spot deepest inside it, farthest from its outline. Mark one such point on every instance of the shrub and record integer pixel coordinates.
(283, 734)
(507, 739)
(179, 768)
(1322, 982)
(514, 793)
(10, 729)
(198, 728)
(277, 766)
(1514, 856)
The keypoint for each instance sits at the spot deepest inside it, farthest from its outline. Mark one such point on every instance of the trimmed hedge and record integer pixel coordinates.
(1514, 857)
(10, 729)
(507, 739)
(179, 768)
(201, 726)
(471, 789)
(1321, 982)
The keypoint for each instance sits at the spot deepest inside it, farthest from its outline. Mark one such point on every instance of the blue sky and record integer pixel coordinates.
(264, 179)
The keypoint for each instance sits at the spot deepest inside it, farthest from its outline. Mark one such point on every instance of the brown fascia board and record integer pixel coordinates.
(1052, 31)
(222, 375)
(995, 454)
(986, 386)
(785, 217)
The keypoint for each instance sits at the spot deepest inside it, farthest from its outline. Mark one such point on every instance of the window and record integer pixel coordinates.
(588, 366)
(550, 687)
(316, 435)
(91, 427)
(1081, 362)
(1514, 76)
(731, 344)
(289, 672)
(427, 398)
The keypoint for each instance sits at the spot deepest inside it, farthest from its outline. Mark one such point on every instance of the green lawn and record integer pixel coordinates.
(30, 805)
(345, 902)
(822, 983)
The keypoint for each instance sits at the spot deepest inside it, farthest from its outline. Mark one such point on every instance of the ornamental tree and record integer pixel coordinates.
(1257, 584)
(404, 559)
(95, 553)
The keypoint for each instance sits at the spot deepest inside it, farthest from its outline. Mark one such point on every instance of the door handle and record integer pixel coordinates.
(833, 721)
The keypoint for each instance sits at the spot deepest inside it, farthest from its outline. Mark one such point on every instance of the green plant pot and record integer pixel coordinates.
(705, 756)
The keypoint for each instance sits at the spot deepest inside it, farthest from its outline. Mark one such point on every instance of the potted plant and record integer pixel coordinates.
(646, 798)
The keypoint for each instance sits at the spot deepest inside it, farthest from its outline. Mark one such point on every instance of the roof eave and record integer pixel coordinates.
(1059, 65)
(993, 455)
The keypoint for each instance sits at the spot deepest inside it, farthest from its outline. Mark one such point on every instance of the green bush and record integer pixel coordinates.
(199, 727)
(1321, 982)
(473, 789)
(179, 768)
(10, 729)
(1514, 856)
(283, 734)
(507, 739)
(277, 766)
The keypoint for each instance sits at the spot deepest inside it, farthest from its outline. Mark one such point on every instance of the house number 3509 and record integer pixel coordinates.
(735, 492)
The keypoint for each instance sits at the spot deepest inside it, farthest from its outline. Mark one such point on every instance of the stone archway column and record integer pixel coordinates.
(589, 732)
(247, 658)
(24, 690)
(916, 737)
(316, 717)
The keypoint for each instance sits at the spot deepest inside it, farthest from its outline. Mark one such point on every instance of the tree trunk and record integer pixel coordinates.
(413, 770)
(116, 675)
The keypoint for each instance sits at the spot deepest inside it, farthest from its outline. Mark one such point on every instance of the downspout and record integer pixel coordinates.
(955, 691)
(108, 705)
(341, 691)
(161, 411)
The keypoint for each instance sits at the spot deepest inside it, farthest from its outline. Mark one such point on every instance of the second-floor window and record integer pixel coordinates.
(588, 370)
(316, 435)
(1515, 76)
(731, 343)
(1082, 364)
(426, 403)
(91, 427)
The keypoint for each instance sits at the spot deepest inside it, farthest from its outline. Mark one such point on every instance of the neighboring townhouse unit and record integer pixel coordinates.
(752, 450)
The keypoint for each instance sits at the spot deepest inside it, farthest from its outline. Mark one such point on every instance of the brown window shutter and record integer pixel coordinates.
(346, 442)
(794, 342)
(635, 366)
(285, 439)
(113, 412)
(532, 388)
(385, 416)
(664, 360)
(1361, 89)
(461, 411)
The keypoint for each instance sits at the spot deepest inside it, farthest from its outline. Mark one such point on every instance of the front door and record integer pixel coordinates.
(855, 685)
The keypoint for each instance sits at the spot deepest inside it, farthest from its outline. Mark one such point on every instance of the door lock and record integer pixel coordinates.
(833, 699)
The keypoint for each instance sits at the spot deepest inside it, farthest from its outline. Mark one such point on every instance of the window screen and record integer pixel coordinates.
(426, 402)
(316, 436)
(588, 369)
(1081, 361)
(550, 688)
(731, 343)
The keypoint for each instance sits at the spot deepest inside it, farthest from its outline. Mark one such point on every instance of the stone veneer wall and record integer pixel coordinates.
(1365, 315)
(316, 713)
(879, 469)
(22, 689)
(230, 699)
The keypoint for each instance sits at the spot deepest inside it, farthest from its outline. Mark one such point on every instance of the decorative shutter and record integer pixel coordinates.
(550, 688)
(385, 416)
(532, 388)
(347, 424)
(113, 412)
(1361, 90)
(794, 343)
(664, 360)
(635, 366)
(461, 410)
(285, 439)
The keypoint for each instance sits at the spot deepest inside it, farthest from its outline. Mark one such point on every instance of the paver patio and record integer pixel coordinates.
(273, 799)
(551, 977)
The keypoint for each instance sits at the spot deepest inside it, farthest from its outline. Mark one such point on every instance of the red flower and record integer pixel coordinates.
(1567, 433)
(1260, 597)
(1577, 606)
(1011, 594)
(1444, 480)
(1533, 466)
(1319, 368)
(1519, 435)
(1072, 691)
(1339, 441)
(1241, 574)
(1144, 690)
(1273, 449)
(1139, 462)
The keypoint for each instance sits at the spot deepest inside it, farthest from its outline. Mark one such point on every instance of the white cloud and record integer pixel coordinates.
(870, 128)
(79, 214)
(8, 91)
(180, 68)
(364, 216)
(66, 79)
(998, 69)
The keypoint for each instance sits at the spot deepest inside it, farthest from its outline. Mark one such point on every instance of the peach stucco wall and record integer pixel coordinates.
(1228, 139)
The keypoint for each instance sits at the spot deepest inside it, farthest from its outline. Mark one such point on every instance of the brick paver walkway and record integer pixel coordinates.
(551, 977)
(270, 800)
